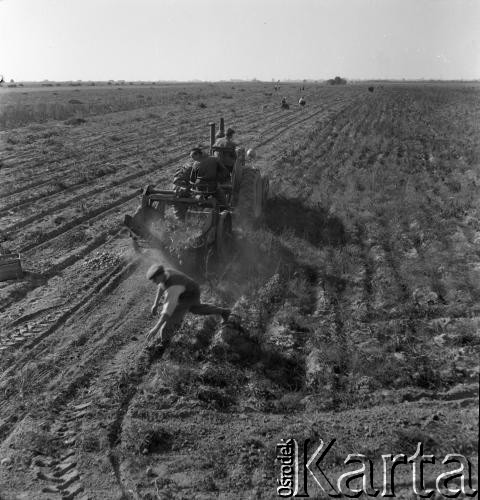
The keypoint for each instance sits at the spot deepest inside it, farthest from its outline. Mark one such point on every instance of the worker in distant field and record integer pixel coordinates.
(182, 295)
(207, 172)
(225, 149)
(302, 101)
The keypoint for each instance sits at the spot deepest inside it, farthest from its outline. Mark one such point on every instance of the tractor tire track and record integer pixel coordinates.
(98, 287)
(102, 344)
(91, 388)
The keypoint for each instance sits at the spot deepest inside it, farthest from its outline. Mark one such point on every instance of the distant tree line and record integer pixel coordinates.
(337, 81)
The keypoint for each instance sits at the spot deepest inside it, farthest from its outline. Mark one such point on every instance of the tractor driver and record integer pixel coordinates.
(207, 172)
(224, 148)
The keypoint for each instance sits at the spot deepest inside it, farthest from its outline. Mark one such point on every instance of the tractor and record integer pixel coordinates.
(189, 220)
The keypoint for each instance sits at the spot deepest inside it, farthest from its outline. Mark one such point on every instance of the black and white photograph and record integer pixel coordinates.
(239, 249)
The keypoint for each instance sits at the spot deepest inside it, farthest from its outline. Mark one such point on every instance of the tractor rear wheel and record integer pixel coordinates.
(251, 195)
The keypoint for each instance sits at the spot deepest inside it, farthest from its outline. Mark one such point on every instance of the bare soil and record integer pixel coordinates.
(357, 297)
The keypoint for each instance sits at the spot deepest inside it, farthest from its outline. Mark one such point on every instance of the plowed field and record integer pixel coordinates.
(358, 296)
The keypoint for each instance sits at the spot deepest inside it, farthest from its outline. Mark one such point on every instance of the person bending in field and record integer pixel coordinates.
(182, 295)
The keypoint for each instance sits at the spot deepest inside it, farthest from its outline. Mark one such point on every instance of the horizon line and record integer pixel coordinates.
(244, 80)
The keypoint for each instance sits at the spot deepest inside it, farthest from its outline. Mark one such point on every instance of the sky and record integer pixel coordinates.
(239, 39)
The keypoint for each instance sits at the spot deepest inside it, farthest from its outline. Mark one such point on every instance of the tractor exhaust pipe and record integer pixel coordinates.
(222, 126)
(212, 136)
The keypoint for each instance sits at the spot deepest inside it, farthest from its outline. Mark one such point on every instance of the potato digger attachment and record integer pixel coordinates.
(186, 220)
(169, 221)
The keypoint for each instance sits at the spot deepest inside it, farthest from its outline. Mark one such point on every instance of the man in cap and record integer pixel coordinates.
(182, 295)
(225, 149)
